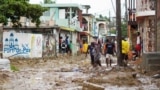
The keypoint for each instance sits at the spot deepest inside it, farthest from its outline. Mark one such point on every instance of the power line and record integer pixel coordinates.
(113, 7)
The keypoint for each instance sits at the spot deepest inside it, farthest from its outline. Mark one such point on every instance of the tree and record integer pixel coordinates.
(14, 9)
(49, 1)
(124, 29)
(100, 16)
(112, 31)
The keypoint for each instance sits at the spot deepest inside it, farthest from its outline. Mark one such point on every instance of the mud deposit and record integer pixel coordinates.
(72, 73)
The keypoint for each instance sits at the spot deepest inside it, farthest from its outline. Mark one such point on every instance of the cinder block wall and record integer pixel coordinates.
(151, 61)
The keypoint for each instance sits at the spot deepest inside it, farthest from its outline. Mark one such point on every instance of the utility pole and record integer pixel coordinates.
(118, 27)
(156, 17)
(109, 24)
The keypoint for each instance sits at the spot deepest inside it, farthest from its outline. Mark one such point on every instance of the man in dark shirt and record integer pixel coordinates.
(109, 52)
(91, 49)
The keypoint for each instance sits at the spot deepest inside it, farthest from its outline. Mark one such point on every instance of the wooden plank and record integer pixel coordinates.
(92, 86)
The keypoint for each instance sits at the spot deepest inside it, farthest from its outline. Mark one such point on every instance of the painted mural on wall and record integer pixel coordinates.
(36, 45)
(48, 45)
(22, 45)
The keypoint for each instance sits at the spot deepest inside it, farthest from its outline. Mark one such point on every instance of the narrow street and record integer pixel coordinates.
(73, 73)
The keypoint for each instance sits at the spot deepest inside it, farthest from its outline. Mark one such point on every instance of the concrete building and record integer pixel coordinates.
(158, 26)
(102, 28)
(148, 26)
(145, 15)
(68, 17)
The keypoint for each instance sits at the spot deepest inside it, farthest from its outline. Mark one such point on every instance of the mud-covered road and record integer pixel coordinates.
(73, 73)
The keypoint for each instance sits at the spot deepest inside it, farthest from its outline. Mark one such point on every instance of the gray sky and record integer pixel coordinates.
(97, 6)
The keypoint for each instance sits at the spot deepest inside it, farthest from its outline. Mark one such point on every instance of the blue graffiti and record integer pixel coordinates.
(11, 46)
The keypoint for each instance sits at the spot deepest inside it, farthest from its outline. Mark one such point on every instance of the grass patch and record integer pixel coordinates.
(13, 68)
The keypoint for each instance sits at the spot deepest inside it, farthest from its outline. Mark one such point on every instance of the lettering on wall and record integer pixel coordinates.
(11, 46)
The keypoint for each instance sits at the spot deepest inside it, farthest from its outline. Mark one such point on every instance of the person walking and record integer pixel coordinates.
(85, 48)
(91, 49)
(109, 52)
(125, 51)
(97, 55)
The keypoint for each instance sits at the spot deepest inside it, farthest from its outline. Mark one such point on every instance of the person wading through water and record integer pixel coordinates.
(109, 52)
(94, 54)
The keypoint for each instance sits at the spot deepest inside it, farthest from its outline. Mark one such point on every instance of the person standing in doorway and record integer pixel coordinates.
(63, 46)
(70, 47)
(138, 44)
(60, 42)
(67, 43)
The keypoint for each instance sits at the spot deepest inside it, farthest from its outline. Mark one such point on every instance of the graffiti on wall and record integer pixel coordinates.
(36, 45)
(48, 45)
(22, 45)
(11, 46)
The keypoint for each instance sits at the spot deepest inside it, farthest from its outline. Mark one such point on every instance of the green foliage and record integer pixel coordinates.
(13, 68)
(124, 29)
(100, 16)
(14, 9)
(112, 31)
(48, 1)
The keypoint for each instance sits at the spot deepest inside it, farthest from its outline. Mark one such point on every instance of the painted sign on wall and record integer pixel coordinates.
(22, 45)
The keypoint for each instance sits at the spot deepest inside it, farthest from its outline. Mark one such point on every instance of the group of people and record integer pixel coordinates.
(108, 49)
(97, 49)
(65, 45)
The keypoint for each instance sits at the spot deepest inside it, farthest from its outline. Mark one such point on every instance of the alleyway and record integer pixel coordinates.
(73, 73)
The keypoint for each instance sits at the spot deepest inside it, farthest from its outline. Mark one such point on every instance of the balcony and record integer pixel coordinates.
(65, 22)
(145, 13)
(145, 8)
(62, 22)
(75, 25)
(84, 27)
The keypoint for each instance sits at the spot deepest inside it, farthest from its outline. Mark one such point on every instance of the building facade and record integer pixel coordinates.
(158, 25)
(87, 27)
(102, 29)
(68, 17)
(145, 15)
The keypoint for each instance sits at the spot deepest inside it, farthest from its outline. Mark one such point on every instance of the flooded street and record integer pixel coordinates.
(73, 73)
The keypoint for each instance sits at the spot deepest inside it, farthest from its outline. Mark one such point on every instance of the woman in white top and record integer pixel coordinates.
(138, 44)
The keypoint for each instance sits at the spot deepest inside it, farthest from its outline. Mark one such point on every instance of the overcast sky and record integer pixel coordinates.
(97, 6)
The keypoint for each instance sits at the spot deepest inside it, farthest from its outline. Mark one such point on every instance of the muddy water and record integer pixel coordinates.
(70, 74)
